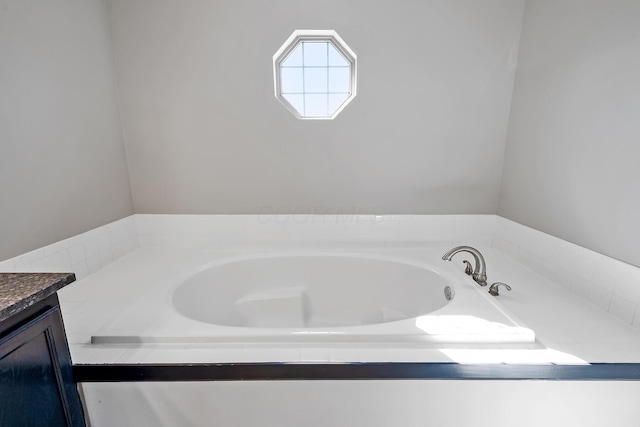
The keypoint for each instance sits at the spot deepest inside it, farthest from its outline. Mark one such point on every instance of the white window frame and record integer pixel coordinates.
(292, 43)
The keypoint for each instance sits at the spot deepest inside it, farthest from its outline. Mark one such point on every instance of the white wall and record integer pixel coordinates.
(571, 166)
(62, 162)
(425, 133)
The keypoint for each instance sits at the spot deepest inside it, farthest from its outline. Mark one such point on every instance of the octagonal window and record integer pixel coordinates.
(315, 74)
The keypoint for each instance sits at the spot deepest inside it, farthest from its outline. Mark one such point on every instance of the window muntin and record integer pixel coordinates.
(315, 74)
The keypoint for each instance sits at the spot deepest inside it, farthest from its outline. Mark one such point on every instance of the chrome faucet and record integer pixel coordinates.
(479, 273)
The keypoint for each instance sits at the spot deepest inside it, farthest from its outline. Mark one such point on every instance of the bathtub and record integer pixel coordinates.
(323, 296)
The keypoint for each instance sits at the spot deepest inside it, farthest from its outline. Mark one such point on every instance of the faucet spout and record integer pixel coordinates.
(480, 271)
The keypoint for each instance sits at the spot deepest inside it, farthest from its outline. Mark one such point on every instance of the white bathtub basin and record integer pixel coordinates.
(310, 291)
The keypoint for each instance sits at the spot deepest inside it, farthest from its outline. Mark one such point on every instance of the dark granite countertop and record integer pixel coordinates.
(21, 290)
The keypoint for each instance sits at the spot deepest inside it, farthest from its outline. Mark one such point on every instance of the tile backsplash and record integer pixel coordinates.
(612, 285)
(310, 231)
(83, 254)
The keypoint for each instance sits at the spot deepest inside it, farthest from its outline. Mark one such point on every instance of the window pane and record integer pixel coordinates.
(291, 80)
(315, 105)
(315, 54)
(295, 58)
(296, 102)
(335, 58)
(315, 80)
(339, 80)
(314, 74)
(336, 101)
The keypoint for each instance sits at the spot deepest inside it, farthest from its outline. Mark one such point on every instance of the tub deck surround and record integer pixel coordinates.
(21, 290)
(567, 330)
(580, 304)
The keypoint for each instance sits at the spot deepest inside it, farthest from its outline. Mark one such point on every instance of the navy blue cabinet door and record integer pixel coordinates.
(36, 383)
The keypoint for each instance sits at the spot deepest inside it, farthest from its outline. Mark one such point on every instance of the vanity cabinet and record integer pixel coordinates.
(36, 379)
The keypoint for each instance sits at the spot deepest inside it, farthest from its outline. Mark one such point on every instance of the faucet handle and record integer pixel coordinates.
(493, 289)
(468, 269)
